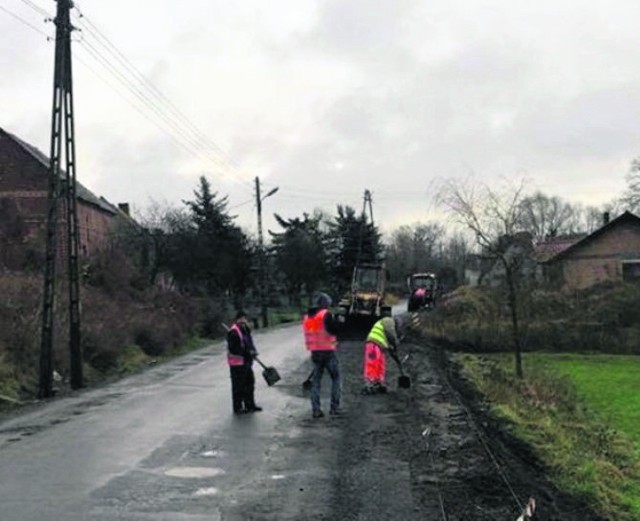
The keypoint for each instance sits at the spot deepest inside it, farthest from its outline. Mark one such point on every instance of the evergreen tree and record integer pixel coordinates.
(218, 252)
(299, 254)
(351, 240)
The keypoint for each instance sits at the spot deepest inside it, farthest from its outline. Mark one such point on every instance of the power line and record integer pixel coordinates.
(154, 98)
(25, 22)
(37, 8)
(156, 92)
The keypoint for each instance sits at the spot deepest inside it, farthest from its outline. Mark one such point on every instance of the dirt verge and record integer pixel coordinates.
(433, 451)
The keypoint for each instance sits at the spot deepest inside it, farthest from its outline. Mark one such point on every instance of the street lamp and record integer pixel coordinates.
(262, 277)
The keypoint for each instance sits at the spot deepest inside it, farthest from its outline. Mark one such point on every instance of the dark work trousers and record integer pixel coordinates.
(328, 360)
(242, 387)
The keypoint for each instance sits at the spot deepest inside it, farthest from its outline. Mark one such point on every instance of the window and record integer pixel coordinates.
(631, 270)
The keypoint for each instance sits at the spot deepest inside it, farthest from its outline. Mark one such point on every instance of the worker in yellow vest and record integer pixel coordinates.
(382, 339)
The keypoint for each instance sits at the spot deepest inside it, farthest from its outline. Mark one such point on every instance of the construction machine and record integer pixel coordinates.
(365, 302)
(422, 291)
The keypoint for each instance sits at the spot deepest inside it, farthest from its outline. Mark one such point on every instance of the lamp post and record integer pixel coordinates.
(262, 276)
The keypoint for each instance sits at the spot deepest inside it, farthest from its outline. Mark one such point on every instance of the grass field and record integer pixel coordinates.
(609, 385)
(581, 415)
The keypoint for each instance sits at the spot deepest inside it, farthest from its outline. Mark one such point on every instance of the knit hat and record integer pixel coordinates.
(322, 300)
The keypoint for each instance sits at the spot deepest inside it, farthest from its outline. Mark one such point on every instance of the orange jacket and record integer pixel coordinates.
(316, 337)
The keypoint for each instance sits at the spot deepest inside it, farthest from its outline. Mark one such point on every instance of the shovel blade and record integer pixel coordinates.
(404, 382)
(271, 375)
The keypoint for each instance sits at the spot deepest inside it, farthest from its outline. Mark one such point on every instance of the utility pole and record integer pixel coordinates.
(363, 223)
(262, 279)
(62, 111)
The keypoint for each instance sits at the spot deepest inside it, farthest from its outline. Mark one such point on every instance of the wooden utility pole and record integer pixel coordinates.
(61, 122)
(262, 279)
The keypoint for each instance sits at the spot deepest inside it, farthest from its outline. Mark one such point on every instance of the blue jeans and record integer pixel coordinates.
(328, 360)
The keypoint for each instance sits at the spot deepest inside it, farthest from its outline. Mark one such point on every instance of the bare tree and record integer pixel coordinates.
(494, 217)
(631, 196)
(545, 216)
(414, 248)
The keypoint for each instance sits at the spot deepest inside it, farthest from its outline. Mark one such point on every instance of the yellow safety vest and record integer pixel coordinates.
(377, 335)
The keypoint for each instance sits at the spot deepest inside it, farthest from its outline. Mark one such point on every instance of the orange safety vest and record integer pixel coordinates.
(236, 360)
(316, 337)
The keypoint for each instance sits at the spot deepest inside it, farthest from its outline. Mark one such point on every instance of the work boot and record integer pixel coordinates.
(318, 414)
(336, 412)
(242, 410)
(254, 408)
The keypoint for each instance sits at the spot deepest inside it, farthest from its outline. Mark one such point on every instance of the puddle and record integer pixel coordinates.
(193, 472)
(278, 476)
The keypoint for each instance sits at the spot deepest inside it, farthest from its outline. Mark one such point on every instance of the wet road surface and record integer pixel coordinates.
(159, 445)
(164, 446)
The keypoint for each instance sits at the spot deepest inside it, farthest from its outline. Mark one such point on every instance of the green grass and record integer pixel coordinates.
(609, 385)
(579, 413)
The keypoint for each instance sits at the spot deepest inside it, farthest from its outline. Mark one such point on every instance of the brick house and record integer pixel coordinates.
(23, 205)
(609, 254)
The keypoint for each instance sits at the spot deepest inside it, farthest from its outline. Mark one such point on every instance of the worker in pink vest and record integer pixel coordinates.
(240, 353)
(382, 339)
(320, 328)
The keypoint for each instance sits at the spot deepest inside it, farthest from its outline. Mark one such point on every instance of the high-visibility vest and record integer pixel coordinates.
(316, 337)
(236, 360)
(377, 335)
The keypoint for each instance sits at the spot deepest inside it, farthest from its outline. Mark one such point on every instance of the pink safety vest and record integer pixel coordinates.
(316, 337)
(236, 360)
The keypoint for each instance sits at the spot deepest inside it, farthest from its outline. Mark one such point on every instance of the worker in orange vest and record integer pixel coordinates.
(240, 353)
(382, 339)
(320, 329)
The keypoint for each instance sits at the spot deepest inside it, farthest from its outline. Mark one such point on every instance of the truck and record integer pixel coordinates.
(366, 300)
(422, 291)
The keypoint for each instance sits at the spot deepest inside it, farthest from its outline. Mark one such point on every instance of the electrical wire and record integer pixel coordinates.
(140, 77)
(37, 8)
(119, 65)
(25, 22)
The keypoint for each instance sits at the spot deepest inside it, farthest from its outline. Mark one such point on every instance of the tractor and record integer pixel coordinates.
(422, 291)
(365, 303)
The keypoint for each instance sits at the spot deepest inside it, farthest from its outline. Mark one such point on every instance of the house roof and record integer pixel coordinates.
(81, 191)
(552, 246)
(626, 217)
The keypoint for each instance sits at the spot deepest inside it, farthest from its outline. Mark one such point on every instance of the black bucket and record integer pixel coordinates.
(271, 375)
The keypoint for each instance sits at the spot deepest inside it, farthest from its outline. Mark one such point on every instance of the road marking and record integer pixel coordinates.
(210, 454)
(193, 472)
(209, 491)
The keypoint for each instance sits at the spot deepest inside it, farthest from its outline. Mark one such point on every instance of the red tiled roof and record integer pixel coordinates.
(545, 250)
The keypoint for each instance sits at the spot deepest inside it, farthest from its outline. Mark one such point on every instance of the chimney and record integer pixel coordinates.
(605, 218)
(124, 208)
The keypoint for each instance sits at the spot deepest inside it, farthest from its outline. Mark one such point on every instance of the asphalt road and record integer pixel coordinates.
(164, 446)
(158, 445)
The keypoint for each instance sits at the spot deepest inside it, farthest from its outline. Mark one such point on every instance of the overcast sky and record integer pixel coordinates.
(327, 98)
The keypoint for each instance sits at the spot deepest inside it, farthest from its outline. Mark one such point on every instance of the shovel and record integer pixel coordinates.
(306, 385)
(404, 381)
(270, 374)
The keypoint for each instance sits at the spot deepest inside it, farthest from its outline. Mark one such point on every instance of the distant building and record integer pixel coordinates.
(23, 204)
(487, 268)
(609, 254)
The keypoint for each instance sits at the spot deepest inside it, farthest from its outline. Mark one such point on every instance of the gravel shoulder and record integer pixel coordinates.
(433, 452)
